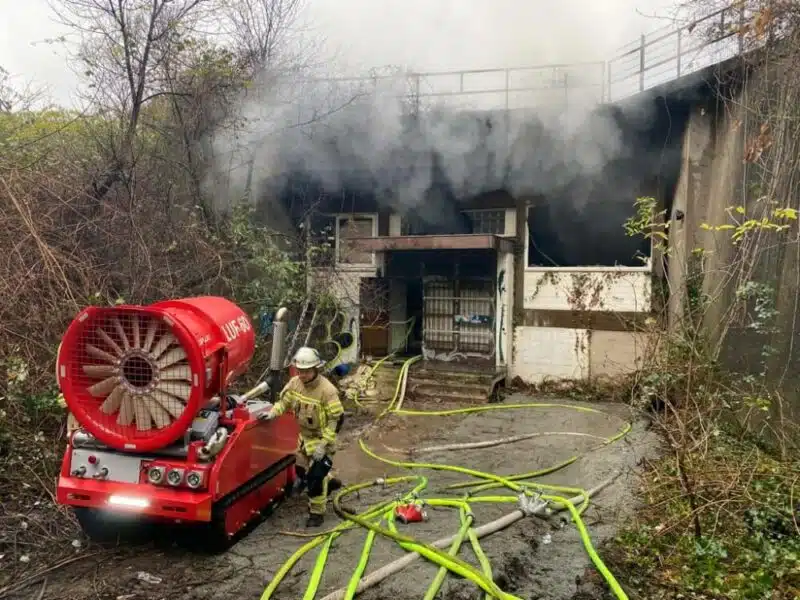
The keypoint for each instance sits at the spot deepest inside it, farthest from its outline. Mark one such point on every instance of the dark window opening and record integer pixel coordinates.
(322, 240)
(487, 221)
(469, 221)
(565, 233)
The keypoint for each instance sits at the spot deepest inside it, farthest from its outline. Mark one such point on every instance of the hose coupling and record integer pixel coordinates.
(530, 505)
(470, 515)
(380, 481)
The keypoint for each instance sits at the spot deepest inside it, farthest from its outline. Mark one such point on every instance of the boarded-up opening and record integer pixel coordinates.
(459, 317)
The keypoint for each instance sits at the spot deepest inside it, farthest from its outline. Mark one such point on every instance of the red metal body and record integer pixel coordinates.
(214, 339)
(254, 448)
(216, 335)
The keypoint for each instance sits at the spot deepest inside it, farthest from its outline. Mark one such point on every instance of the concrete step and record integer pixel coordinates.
(468, 377)
(451, 379)
(446, 384)
(458, 385)
(451, 392)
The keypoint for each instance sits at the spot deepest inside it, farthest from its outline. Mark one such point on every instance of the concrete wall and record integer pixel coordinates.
(596, 290)
(715, 178)
(563, 297)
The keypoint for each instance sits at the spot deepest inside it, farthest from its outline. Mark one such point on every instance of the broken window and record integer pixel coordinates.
(487, 221)
(321, 239)
(483, 221)
(590, 235)
(350, 228)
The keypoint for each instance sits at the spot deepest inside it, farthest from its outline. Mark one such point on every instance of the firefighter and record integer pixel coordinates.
(315, 403)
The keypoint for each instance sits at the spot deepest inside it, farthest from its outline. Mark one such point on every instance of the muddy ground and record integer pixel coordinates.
(531, 559)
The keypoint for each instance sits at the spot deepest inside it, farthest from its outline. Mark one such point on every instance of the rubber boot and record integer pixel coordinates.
(334, 484)
(315, 521)
(300, 481)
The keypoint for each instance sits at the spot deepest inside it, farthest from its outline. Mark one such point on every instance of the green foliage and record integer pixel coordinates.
(777, 220)
(48, 139)
(720, 516)
(272, 274)
(21, 411)
(752, 548)
(648, 222)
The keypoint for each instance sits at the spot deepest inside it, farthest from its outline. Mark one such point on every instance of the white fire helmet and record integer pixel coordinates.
(307, 358)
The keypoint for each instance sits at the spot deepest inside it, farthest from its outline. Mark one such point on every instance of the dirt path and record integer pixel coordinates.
(531, 559)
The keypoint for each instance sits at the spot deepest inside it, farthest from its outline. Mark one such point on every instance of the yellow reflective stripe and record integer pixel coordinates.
(329, 435)
(318, 504)
(335, 408)
(310, 444)
(302, 398)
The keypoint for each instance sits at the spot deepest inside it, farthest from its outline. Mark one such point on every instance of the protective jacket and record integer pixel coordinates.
(317, 409)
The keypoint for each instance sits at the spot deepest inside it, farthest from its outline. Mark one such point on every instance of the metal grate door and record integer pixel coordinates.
(458, 316)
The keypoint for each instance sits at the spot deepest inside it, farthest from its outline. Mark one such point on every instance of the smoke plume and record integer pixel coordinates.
(417, 147)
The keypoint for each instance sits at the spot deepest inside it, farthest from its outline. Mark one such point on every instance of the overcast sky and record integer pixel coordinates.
(422, 35)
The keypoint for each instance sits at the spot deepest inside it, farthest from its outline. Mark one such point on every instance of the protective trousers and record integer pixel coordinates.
(317, 490)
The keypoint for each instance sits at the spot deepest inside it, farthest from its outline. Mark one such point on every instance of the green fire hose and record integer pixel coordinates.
(374, 517)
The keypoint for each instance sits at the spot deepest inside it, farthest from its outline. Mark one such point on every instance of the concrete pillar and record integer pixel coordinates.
(697, 142)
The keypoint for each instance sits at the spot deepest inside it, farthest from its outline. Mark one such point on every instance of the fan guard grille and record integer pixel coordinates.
(131, 377)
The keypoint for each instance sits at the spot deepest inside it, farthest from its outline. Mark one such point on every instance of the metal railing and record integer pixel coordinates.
(654, 59)
(488, 89)
(675, 51)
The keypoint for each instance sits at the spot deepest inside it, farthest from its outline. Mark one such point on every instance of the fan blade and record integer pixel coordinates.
(126, 414)
(136, 335)
(160, 416)
(170, 358)
(172, 405)
(121, 333)
(162, 344)
(176, 373)
(112, 403)
(110, 342)
(143, 420)
(101, 354)
(152, 328)
(104, 388)
(179, 389)
(100, 370)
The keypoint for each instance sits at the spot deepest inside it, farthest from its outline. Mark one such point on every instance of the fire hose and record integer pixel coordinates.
(531, 499)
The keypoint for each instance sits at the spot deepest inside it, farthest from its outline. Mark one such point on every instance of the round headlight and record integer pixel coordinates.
(155, 474)
(174, 477)
(194, 479)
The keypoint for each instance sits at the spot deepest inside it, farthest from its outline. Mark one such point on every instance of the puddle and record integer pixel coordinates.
(394, 436)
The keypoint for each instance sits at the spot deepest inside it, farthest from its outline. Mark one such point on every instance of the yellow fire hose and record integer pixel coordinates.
(531, 497)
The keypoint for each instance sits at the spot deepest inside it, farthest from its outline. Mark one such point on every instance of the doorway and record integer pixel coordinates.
(414, 307)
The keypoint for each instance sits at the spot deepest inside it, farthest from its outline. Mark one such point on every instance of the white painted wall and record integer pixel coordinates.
(562, 353)
(597, 290)
(344, 286)
(504, 311)
(511, 223)
(543, 353)
(395, 225)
